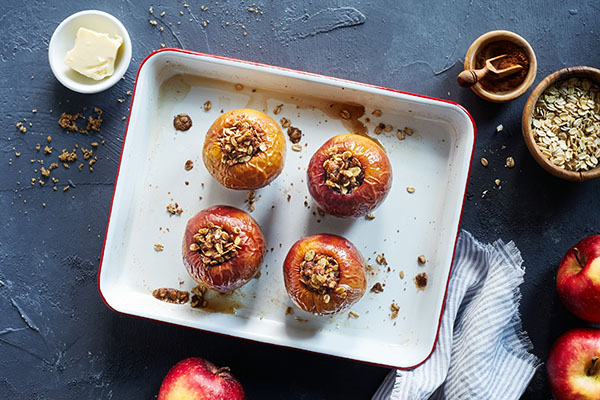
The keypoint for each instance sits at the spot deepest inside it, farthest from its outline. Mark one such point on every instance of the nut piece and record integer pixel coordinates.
(189, 164)
(182, 122)
(294, 134)
(484, 161)
(377, 288)
(421, 259)
(510, 162)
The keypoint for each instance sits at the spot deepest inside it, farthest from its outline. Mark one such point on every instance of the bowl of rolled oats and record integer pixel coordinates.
(561, 123)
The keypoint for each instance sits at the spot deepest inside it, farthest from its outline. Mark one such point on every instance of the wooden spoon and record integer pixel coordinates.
(469, 77)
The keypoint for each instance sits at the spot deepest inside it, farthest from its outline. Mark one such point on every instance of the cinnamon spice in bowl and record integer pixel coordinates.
(518, 51)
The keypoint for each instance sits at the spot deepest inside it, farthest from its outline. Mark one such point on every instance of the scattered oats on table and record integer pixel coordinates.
(497, 182)
(566, 124)
(510, 162)
(484, 161)
(294, 134)
(285, 123)
(500, 128)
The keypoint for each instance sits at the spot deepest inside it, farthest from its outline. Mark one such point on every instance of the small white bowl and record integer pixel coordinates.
(63, 40)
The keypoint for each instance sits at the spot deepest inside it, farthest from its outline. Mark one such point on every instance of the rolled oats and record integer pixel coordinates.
(566, 124)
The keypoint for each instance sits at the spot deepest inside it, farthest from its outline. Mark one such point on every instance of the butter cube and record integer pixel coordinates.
(94, 54)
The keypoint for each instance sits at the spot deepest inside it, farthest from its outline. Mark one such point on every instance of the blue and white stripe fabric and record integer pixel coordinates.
(482, 352)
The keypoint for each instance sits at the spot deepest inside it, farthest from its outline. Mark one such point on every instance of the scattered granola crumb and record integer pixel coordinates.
(294, 134)
(182, 122)
(289, 311)
(377, 288)
(173, 208)
(484, 193)
(376, 113)
(395, 308)
(400, 134)
(297, 147)
(95, 123)
(207, 105)
(49, 139)
(251, 200)
(67, 121)
(497, 182)
(379, 128)
(388, 128)
(151, 10)
(47, 150)
(421, 281)
(158, 247)
(380, 259)
(285, 123)
(408, 131)
(189, 164)
(410, 189)
(353, 314)
(500, 128)
(421, 259)
(370, 216)
(198, 300)
(171, 295)
(153, 22)
(277, 109)
(401, 274)
(345, 114)
(510, 162)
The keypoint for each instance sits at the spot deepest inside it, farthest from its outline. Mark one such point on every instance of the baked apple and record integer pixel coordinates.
(349, 176)
(223, 248)
(324, 274)
(244, 149)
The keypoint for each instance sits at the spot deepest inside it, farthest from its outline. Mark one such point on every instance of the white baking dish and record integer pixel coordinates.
(435, 161)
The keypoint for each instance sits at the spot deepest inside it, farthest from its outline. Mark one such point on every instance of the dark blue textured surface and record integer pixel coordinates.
(59, 341)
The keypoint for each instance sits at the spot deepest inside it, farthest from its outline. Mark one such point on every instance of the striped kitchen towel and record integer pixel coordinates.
(481, 352)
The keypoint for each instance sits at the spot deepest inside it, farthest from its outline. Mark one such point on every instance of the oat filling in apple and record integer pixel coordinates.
(216, 245)
(320, 273)
(241, 142)
(344, 172)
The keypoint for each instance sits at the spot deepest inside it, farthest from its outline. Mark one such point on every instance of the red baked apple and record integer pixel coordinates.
(223, 248)
(198, 379)
(349, 175)
(574, 365)
(578, 279)
(324, 274)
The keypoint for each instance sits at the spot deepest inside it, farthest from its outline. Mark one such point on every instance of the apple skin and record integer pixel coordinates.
(569, 365)
(578, 279)
(198, 379)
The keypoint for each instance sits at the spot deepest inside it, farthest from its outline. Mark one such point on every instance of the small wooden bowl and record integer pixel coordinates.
(494, 36)
(565, 73)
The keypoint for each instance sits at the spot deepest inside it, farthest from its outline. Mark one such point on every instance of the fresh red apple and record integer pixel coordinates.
(578, 279)
(197, 379)
(574, 365)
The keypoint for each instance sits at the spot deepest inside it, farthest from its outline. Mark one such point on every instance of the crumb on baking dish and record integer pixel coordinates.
(421, 281)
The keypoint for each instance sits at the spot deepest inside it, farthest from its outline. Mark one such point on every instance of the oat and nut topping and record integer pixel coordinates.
(566, 124)
(241, 142)
(294, 134)
(319, 272)
(171, 295)
(343, 172)
(216, 245)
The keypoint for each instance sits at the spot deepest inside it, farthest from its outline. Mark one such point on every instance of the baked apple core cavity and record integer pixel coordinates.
(216, 244)
(240, 142)
(343, 172)
(319, 272)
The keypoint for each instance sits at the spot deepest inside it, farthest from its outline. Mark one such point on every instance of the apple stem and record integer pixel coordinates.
(578, 257)
(223, 371)
(594, 368)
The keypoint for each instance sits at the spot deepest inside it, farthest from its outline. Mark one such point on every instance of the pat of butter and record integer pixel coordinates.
(94, 54)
